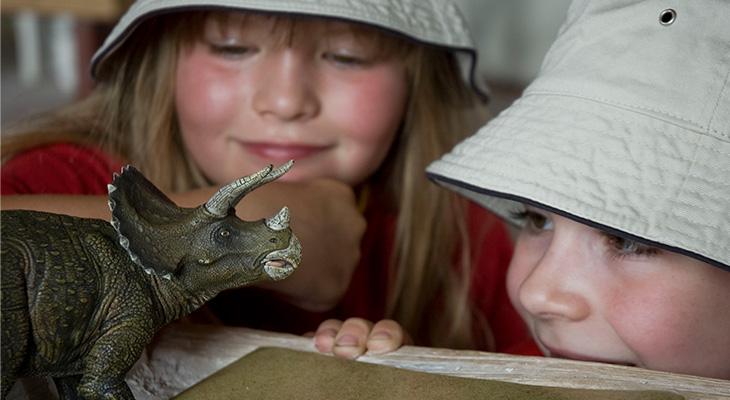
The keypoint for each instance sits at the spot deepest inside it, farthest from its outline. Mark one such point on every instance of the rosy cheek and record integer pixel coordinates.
(652, 320)
(374, 105)
(204, 98)
(636, 319)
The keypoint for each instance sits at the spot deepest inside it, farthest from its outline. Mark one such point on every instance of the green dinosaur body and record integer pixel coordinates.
(81, 298)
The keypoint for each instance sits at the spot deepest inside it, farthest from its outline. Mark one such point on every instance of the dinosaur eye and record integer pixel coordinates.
(273, 240)
(225, 233)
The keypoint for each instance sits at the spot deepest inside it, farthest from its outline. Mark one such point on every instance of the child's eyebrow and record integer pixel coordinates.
(531, 208)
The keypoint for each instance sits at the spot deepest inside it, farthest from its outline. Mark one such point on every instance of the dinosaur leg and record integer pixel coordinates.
(7, 384)
(108, 362)
(15, 323)
(67, 387)
(8, 380)
(14, 347)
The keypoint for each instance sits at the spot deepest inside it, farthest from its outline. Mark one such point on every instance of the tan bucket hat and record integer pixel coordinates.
(626, 128)
(435, 22)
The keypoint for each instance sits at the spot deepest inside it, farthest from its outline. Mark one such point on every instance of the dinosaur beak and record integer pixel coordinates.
(281, 263)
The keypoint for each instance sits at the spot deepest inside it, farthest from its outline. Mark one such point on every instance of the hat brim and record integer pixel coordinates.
(640, 176)
(445, 29)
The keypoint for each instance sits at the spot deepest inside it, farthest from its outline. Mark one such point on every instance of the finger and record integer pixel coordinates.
(324, 338)
(386, 336)
(351, 339)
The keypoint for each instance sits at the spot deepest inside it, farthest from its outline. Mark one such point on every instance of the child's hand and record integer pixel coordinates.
(356, 336)
(326, 219)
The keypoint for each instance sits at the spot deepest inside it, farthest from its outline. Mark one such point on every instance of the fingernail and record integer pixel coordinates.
(346, 341)
(329, 332)
(381, 336)
(378, 348)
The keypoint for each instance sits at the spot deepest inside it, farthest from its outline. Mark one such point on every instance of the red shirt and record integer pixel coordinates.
(72, 169)
(58, 169)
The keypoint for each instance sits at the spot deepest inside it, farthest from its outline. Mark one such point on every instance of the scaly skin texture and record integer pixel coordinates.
(81, 298)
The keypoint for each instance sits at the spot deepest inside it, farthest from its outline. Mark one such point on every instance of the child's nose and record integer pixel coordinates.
(552, 290)
(286, 90)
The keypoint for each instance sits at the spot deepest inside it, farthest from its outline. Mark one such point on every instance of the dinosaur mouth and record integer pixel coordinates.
(278, 269)
(281, 263)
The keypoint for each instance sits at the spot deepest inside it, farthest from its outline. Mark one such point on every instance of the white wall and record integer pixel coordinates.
(513, 35)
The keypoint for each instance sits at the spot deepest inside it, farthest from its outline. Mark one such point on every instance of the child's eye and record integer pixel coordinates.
(623, 247)
(231, 51)
(345, 60)
(533, 221)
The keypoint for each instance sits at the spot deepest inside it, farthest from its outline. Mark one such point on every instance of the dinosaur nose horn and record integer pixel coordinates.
(280, 221)
(228, 196)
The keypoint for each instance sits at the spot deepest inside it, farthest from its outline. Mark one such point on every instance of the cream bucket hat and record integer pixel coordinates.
(434, 22)
(626, 128)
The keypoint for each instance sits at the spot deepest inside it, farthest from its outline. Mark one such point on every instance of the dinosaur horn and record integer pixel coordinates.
(228, 196)
(280, 221)
(275, 173)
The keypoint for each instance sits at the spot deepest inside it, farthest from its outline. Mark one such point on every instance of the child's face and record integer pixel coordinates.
(320, 93)
(589, 295)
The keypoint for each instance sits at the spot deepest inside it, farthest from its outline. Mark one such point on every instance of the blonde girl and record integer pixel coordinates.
(363, 96)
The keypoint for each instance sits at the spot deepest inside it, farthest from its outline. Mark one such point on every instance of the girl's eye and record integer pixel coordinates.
(533, 221)
(231, 51)
(345, 60)
(626, 247)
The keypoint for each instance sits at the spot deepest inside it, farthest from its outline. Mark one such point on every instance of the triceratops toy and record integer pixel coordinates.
(81, 298)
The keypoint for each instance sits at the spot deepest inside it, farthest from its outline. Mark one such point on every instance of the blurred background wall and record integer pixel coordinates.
(512, 37)
(46, 48)
(47, 44)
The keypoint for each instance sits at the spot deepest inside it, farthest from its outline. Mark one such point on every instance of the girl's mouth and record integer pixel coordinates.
(279, 153)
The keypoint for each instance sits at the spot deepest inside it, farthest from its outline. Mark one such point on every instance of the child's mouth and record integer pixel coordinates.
(281, 152)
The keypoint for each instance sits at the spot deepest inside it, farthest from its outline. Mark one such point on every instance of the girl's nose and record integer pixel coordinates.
(553, 289)
(286, 89)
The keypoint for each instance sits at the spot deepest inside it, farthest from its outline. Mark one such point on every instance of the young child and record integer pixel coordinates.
(198, 93)
(616, 161)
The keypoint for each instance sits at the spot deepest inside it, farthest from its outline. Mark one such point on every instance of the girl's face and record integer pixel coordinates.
(257, 90)
(589, 295)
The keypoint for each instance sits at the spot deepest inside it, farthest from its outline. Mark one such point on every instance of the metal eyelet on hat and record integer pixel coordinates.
(667, 17)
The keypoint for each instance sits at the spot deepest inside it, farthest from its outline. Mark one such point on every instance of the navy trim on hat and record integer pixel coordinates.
(613, 231)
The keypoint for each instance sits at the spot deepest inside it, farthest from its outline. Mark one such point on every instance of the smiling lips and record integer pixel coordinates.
(282, 152)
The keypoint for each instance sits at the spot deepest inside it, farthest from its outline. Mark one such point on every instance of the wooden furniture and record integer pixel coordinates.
(97, 10)
(183, 355)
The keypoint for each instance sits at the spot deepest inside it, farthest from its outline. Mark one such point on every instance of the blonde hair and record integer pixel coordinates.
(431, 233)
(139, 126)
